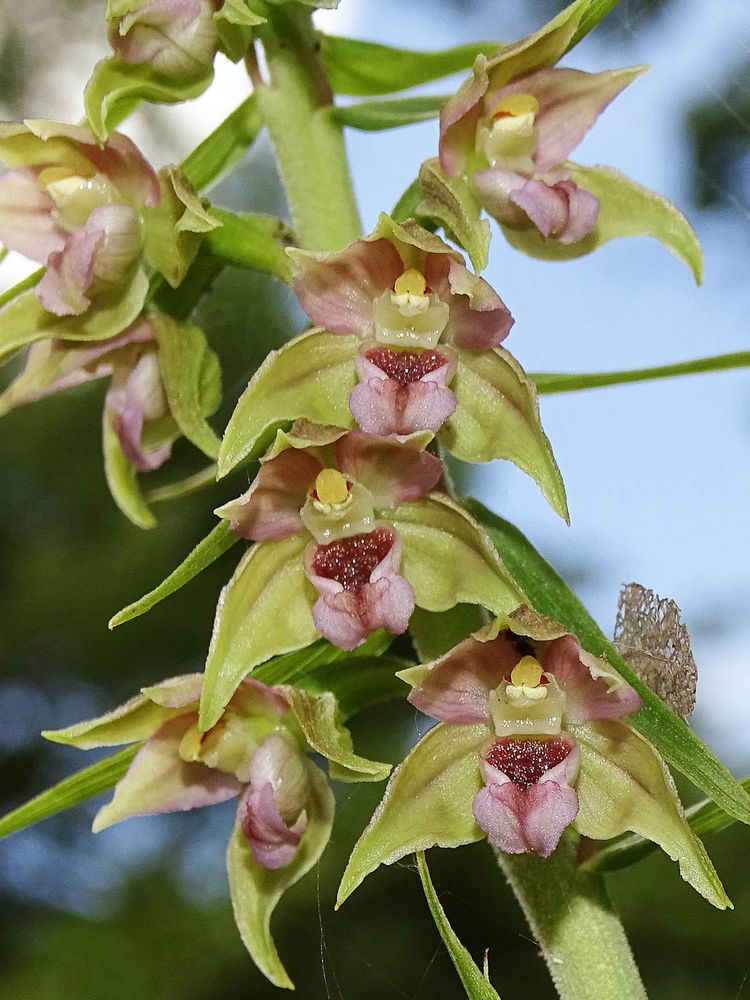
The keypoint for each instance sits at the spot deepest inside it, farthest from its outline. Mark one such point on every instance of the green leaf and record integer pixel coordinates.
(623, 784)
(376, 116)
(264, 610)
(23, 320)
(366, 69)
(256, 890)
(257, 241)
(309, 377)
(69, 792)
(549, 594)
(434, 633)
(452, 203)
(627, 209)
(122, 478)
(497, 416)
(191, 377)
(205, 552)
(428, 803)
(551, 382)
(448, 559)
(474, 983)
(358, 683)
(317, 717)
(225, 146)
(116, 88)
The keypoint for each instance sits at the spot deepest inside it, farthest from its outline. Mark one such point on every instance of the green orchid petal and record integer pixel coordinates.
(497, 416)
(626, 209)
(173, 228)
(263, 611)
(451, 202)
(624, 785)
(135, 720)
(255, 890)
(309, 377)
(23, 320)
(427, 803)
(122, 478)
(317, 717)
(448, 559)
(191, 378)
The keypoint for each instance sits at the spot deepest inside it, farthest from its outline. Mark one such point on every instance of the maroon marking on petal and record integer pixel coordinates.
(405, 366)
(525, 761)
(350, 561)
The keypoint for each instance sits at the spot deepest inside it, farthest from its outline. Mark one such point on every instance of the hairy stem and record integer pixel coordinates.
(295, 105)
(571, 917)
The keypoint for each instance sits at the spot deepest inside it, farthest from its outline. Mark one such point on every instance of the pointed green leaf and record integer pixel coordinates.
(448, 559)
(367, 69)
(23, 321)
(263, 611)
(317, 717)
(497, 416)
(434, 633)
(623, 785)
(256, 241)
(428, 803)
(122, 478)
(474, 983)
(309, 377)
(116, 88)
(205, 552)
(225, 146)
(550, 595)
(452, 203)
(376, 116)
(627, 209)
(69, 792)
(256, 890)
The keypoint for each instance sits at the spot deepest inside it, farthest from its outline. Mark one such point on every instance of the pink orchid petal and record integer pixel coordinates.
(459, 117)
(254, 697)
(337, 290)
(136, 396)
(121, 247)
(26, 223)
(457, 687)
(588, 697)
(270, 508)
(385, 407)
(479, 319)
(561, 210)
(69, 274)
(272, 842)
(394, 473)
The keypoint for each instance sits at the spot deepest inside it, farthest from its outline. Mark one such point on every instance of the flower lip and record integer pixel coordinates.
(406, 366)
(524, 761)
(351, 561)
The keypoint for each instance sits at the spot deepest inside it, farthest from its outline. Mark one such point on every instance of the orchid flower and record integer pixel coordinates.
(531, 741)
(258, 753)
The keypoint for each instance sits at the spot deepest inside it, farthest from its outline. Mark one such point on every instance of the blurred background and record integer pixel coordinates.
(658, 478)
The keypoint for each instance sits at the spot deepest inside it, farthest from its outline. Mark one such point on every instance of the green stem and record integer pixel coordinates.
(22, 286)
(551, 382)
(309, 145)
(571, 917)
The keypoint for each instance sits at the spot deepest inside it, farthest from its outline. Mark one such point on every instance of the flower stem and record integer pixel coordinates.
(295, 106)
(570, 915)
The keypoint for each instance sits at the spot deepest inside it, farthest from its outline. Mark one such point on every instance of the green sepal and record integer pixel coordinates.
(368, 69)
(626, 209)
(234, 22)
(317, 716)
(122, 478)
(256, 890)
(309, 377)
(263, 611)
(132, 722)
(427, 803)
(434, 633)
(451, 202)
(191, 377)
(173, 229)
(225, 146)
(23, 320)
(550, 595)
(377, 116)
(497, 416)
(475, 985)
(116, 88)
(623, 785)
(196, 481)
(257, 241)
(448, 559)
(208, 550)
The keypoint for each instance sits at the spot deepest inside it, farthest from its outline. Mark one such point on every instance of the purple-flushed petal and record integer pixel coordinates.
(456, 688)
(273, 843)
(459, 117)
(337, 290)
(561, 210)
(70, 272)
(121, 247)
(254, 697)
(384, 406)
(593, 691)
(177, 37)
(158, 780)
(392, 472)
(136, 396)
(270, 508)
(478, 318)
(280, 762)
(494, 187)
(357, 598)
(26, 222)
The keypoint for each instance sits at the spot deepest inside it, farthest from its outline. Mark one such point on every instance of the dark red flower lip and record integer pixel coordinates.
(351, 561)
(524, 761)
